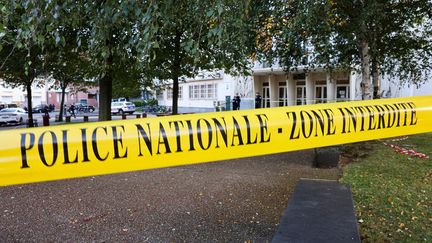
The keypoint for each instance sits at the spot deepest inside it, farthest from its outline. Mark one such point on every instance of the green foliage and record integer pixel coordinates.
(151, 102)
(183, 37)
(138, 103)
(25, 29)
(331, 33)
(122, 45)
(392, 191)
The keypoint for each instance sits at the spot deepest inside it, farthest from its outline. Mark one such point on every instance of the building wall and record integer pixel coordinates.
(278, 88)
(225, 87)
(90, 97)
(42, 95)
(9, 95)
(392, 88)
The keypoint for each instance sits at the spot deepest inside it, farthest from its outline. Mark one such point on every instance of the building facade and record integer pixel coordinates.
(18, 95)
(89, 96)
(208, 92)
(302, 87)
(41, 95)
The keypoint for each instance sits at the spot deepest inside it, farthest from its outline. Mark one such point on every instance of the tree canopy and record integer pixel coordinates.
(378, 36)
(127, 43)
(184, 37)
(24, 29)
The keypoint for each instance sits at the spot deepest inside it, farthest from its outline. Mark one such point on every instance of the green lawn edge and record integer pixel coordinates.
(392, 192)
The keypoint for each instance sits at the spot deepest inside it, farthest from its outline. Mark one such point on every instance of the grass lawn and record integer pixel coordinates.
(392, 192)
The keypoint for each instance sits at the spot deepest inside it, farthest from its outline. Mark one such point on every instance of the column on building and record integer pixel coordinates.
(257, 84)
(353, 77)
(309, 89)
(331, 88)
(273, 82)
(291, 90)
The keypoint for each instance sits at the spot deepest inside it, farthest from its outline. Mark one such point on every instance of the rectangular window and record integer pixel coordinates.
(283, 101)
(203, 91)
(300, 94)
(266, 95)
(170, 92)
(342, 90)
(299, 76)
(320, 91)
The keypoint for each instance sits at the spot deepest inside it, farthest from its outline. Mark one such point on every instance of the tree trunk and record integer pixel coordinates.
(29, 103)
(175, 95)
(62, 110)
(105, 87)
(175, 73)
(376, 72)
(365, 63)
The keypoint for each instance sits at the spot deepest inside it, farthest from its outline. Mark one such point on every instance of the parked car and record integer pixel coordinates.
(84, 108)
(121, 99)
(41, 108)
(3, 106)
(122, 107)
(12, 115)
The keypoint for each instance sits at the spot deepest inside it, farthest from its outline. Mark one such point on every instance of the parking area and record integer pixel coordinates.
(92, 117)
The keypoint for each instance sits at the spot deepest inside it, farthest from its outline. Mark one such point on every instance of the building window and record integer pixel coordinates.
(320, 91)
(266, 95)
(283, 100)
(170, 92)
(301, 76)
(300, 92)
(342, 90)
(203, 91)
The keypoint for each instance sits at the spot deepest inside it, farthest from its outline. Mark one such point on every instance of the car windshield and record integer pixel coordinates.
(9, 110)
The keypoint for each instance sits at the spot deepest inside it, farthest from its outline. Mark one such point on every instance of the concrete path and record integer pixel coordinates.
(230, 201)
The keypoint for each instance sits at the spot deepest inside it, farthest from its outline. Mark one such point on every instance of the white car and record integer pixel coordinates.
(122, 107)
(12, 115)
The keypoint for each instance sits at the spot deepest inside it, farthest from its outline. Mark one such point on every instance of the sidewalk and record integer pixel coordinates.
(92, 117)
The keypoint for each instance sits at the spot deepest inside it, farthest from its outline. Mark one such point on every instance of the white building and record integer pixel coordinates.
(277, 88)
(208, 90)
(9, 95)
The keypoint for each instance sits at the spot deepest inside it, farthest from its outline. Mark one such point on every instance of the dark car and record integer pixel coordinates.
(41, 108)
(4, 106)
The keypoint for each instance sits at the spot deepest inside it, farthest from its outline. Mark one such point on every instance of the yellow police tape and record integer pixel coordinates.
(85, 149)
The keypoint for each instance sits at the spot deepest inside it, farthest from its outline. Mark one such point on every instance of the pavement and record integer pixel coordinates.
(238, 200)
(319, 211)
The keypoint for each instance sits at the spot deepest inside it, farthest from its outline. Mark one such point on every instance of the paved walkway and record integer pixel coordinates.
(229, 201)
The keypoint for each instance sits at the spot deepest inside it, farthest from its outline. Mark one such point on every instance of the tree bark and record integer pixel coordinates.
(63, 86)
(365, 63)
(175, 73)
(29, 103)
(105, 87)
(376, 72)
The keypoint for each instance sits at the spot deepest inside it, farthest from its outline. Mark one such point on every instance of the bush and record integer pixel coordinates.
(151, 102)
(139, 103)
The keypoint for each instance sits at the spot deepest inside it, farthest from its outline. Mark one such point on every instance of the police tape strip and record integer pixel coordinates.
(86, 149)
